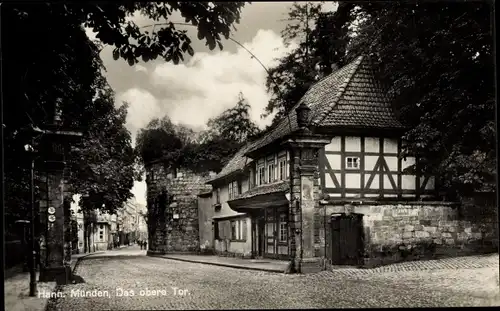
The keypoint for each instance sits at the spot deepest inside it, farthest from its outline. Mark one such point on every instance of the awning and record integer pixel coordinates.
(265, 196)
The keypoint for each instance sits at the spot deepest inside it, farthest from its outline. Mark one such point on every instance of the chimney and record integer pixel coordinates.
(303, 112)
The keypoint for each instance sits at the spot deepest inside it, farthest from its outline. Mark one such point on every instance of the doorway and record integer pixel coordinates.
(347, 239)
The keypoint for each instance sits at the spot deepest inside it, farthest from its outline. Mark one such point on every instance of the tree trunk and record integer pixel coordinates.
(85, 244)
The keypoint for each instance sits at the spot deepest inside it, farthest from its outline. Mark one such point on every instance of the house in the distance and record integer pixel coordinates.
(327, 186)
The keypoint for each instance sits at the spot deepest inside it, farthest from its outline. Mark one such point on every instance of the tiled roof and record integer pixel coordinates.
(237, 162)
(350, 97)
(280, 186)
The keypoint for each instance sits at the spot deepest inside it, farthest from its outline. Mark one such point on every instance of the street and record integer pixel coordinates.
(128, 279)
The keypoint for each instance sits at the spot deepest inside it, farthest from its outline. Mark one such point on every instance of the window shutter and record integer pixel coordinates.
(244, 229)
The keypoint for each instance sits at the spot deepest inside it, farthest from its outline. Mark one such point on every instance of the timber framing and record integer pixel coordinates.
(390, 181)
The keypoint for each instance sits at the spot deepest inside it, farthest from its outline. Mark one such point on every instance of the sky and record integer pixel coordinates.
(206, 84)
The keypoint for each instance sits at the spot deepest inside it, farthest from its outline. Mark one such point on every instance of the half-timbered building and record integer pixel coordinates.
(328, 183)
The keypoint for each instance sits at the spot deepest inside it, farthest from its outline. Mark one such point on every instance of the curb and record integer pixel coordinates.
(235, 266)
(82, 257)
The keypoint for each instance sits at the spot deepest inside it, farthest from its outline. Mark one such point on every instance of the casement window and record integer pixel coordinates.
(101, 235)
(217, 196)
(238, 230)
(282, 169)
(270, 173)
(283, 234)
(234, 189)
(352, 163)
(260, 176)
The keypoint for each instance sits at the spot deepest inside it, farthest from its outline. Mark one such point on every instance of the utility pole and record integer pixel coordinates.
(33, 240)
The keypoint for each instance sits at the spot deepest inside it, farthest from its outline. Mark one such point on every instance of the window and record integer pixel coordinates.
(101, 226)
(238, 230)
(101, 235)
(282, 169)
(352, 162)
(260, 176)
(217, 196)
(270, 172)
(216, 230)
(234, 189)
(283, 228)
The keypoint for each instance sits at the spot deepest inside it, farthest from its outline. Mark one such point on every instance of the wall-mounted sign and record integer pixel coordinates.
(51, 210)
(52, 218)
(176, 216)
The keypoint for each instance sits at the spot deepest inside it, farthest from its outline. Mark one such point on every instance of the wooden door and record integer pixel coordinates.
(347, 239)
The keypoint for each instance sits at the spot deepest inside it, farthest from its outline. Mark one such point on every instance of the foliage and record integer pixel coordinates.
(179, 146)
(437, 59)
(318, 50)
(234, 124)
(112, 23)
(66, 67)
(102, 165)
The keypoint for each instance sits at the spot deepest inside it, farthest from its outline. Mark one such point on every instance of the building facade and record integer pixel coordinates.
(173, 209)
(328, 186)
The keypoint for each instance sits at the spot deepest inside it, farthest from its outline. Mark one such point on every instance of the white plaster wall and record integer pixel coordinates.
(352, 143)
(224, 196)
(353, 180)
(370, 162)
(390, 145)
(334, 160)
(334, 145)
(372, 144)
(392, 163)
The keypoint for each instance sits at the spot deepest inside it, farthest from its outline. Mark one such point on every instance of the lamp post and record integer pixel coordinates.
(32, 260)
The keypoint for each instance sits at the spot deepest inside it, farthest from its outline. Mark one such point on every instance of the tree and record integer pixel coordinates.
(102, 165)
(234, 124)
(437, 60)
(319, 50)
(225, 135)
(291, 78)
(66, 67)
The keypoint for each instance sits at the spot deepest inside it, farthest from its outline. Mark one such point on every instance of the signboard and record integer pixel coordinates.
(51, 210)
(176, 216)
(52, 218)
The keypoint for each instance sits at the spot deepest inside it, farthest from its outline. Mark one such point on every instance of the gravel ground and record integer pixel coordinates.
(212, 287)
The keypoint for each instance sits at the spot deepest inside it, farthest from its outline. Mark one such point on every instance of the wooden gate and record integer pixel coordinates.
(347, 239)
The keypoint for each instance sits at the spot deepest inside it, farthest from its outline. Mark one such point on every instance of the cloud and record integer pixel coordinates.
(209, 83)
(203, 86)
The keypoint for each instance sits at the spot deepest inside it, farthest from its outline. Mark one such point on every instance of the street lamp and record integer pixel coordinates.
(31, 150)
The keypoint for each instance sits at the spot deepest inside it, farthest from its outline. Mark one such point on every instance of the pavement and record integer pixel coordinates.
(16, 286)
(238, 263)
(130, 280)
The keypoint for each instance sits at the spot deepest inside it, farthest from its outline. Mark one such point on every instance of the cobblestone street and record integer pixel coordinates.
(159, 283)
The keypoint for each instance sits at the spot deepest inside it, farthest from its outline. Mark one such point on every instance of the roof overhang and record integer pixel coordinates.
(230, 176)
(352, 130)
(259, 202)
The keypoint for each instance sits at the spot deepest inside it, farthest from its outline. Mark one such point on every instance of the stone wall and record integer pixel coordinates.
(205, 214)
(411, 231)
(178, 229)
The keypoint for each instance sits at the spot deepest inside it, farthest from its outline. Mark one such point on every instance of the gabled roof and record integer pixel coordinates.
(350, 97)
